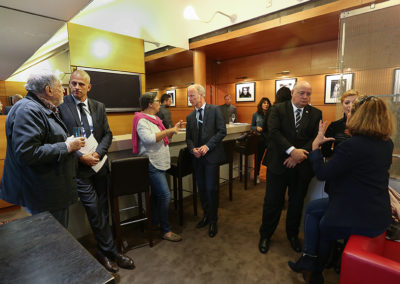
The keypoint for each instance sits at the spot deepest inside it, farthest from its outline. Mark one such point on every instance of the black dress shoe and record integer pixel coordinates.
(213, 230)
(124, 261)
(263, 245)
(108, 264)
(305, 263)
(203, 222)
(295, 243)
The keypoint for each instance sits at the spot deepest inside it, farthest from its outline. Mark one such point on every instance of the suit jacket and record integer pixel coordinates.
(213, 131)
(358, 176)
(227, 111)
(283, 134)
(7, 109)
(101, 130)
(39, 173)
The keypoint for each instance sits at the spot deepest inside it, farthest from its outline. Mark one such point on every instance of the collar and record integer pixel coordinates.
(85, 102)
(47, 103)
(295, 108)
(202, 107)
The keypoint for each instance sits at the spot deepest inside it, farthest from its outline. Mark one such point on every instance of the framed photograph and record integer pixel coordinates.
(172, 94)
(290, 82)
(187, 95)
(65, 90)
(335, 85)
(246, 92)
(396, 85)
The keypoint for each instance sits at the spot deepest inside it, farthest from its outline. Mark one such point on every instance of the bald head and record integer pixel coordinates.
(79, 83)
(301, 94)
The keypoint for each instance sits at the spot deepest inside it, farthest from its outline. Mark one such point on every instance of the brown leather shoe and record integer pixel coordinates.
(124, 261)
(108, 264)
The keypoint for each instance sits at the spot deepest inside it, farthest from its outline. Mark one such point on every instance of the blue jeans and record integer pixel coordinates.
(319, 234)
(61, 215)
(160, 198)
(315, 210)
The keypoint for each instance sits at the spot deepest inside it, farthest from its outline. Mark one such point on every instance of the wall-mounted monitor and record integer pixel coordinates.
(118, 91)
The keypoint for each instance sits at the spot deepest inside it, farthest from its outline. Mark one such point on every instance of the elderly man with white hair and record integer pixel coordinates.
(39, 169)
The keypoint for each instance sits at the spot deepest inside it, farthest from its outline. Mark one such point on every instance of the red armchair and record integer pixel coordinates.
(370, 260)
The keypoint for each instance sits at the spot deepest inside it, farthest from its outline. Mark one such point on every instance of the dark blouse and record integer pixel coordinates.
(336, 130)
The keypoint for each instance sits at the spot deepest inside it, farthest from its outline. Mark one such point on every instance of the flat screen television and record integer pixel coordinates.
(118, 91)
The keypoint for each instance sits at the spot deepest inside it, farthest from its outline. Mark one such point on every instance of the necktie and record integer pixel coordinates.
(199, 125)
(84, 120)
(298, 117)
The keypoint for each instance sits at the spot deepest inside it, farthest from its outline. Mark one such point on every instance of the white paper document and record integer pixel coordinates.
(90, 147)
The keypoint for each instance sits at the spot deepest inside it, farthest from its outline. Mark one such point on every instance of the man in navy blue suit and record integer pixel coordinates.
(205, 130)
(80, 111)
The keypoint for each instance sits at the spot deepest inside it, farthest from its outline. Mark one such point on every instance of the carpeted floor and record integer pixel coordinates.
(231, 257)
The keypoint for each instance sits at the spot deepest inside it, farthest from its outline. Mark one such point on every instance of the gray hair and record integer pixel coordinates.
(37, 82)
(146, 99)
(199, 88)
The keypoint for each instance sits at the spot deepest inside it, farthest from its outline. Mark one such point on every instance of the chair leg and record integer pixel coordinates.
(255, 174)
(240, 167)
(117, 225)
(175, 193)
(180, 200)
(148, 216)
(230, 179)
(217, 186)
(194, 195)
(246, 164)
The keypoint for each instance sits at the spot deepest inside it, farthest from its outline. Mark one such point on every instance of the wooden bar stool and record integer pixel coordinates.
(246, 148)
(229, 146)
(130, 176)
(181, 166)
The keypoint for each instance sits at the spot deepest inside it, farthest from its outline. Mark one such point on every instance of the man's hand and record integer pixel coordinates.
(196, 152)
(75, 143)
(89, 159)
(259, 129)
(299, 155)
(290, 163)
(203, 150)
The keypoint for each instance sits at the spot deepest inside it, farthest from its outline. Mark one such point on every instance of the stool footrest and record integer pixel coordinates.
(133, 221)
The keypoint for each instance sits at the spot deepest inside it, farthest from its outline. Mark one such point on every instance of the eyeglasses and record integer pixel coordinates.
(156, 101)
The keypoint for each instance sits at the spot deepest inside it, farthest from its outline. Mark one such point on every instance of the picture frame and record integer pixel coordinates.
(334, 84)
(287, 82)
(65, 89)
(172, 94)
(246, 92)
(396, 85)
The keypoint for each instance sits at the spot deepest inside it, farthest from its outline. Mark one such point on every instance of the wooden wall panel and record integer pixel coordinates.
(178, 78)
(120, 123)
(3, 139)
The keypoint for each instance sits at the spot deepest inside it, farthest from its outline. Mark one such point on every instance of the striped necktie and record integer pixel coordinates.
(298, 117)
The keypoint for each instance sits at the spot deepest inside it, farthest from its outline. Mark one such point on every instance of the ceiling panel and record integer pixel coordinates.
(58, 9)
(21, 35)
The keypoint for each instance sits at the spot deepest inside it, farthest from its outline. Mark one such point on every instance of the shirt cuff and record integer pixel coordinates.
(288, 151)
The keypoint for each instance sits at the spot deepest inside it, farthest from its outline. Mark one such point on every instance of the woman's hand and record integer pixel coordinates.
(321, 139)
(259, 129)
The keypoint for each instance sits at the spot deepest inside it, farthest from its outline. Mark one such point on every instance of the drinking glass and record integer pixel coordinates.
(78, 132)
(232, 118)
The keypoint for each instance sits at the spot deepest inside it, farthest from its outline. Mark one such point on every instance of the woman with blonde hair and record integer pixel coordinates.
(358, 173)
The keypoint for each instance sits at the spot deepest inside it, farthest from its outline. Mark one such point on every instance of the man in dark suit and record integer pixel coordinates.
(205, 130)
(292, 127)
(14, 100)
(80, 111)
(228, 109)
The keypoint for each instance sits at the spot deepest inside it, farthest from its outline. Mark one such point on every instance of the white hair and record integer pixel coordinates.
(37, 82)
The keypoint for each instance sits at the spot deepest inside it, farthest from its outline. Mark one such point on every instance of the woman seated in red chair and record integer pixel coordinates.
(358, 175)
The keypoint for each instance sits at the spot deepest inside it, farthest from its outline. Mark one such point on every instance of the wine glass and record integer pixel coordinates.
(233, 116)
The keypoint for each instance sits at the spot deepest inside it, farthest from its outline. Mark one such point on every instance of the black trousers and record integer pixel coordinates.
(206, 175)
(297, 183)
(92, 192)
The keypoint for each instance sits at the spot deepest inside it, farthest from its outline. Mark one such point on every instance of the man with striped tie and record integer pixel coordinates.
(292, 127)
